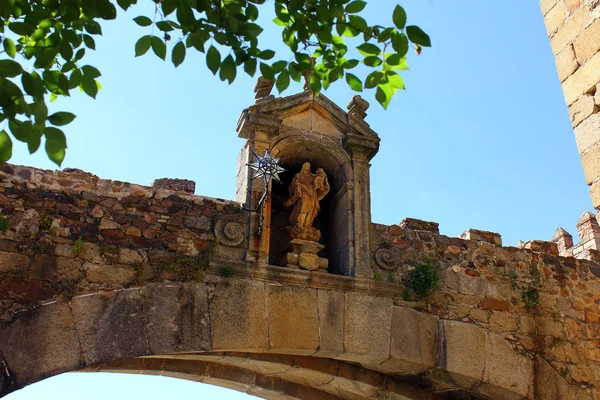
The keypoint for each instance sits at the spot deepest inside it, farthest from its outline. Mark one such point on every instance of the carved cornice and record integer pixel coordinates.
(361, 147)
(250, 121)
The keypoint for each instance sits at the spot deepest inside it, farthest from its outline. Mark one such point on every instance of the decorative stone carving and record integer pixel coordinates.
(305, 255)
(229, 233)
(387, 258)
(306, 190)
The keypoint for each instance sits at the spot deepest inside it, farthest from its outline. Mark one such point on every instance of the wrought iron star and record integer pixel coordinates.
(266, 167)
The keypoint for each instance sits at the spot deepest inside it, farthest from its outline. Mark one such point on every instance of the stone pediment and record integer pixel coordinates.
(308, 112)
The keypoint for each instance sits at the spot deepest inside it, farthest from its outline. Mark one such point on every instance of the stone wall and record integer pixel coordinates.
(545, 305)
(105, 255)
(574, 30)
(71, 232)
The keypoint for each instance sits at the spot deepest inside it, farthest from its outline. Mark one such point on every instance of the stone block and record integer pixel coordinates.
(572, 5)
(108, 274)
(331, 322)
(506, 372)
(414, 339)
(568, 32)
(555, 18)
(488, 303)
(238, 316)
(591, 164)
(129, 256)
(549, 385)
(11, 262)
(178, 318)
(67, 268)
(549, 327)
(547, 5)
(595, 193)
(503, 321)
(580, 110)
(110, 326)
(463, 352)
(367, 328)
(588, 43)
(201, 223)
(293, 319)
(40, 343)
(566, 63)
(587, 133)
(583, 80)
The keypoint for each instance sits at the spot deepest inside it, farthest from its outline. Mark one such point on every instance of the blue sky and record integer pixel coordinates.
(480, 139)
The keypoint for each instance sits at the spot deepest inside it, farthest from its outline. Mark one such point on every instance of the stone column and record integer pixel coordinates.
(259, 130)
(574, 30)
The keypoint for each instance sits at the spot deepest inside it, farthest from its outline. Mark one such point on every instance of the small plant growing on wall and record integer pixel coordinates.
(45, 223)
(227, 271)
(425, 278)
(3, 223)
(77, 246)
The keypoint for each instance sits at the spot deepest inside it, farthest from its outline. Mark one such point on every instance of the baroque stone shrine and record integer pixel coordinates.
(290, 291)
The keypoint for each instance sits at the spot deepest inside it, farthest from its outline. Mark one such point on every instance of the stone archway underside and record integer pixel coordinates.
(279, 376)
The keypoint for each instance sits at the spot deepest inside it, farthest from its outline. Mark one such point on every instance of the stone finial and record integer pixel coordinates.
(175, 185)
(357, 107)
(263, 88)
(588, 227)
(420, 225)
(563, 239)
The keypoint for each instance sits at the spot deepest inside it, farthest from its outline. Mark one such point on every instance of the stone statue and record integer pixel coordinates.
(306, 190)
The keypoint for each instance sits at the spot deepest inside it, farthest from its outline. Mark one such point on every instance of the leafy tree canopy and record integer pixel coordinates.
(45, 43)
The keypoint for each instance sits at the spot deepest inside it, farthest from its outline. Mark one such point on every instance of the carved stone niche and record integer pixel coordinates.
(308, 128)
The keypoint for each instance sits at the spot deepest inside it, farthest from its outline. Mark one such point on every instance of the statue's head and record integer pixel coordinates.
(306, 167)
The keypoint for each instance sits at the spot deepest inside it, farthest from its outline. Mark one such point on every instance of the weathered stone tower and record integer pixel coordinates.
(574, 30)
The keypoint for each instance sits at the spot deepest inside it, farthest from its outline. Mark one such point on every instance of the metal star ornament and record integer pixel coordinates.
(266, 167)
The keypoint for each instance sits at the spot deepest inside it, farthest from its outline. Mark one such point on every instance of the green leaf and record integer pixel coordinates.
(159, 47)
(355, 7)
(56, 143)
(164, 26)
(372, 61)
(35, 138)
(143, 45)
(89, 85)
(5, 147)
(61, 118)
(32, 84)
(266, 54)
(65, 50)
(178, 54)
(93, 27)
(56, 82)
(350, 64)
(373, 79)
(354, 83)
(279, 66)
(267, 71)
(250, 66)
(228, 70)
(10, 68)
(21, 28)
(399, 17)
(252, 12)
(9, 47)
(314, 83)
(22, 132)
(394, 61)
(369, 49)
(294, 72)
(384, 95)
(400, 44)
(358, 23)
(283, 81)
(143, 20)
(90, 71)
(89, 42)
(213, 59)
(168, 6)
(416, 35)
(395, 80)
(125, 4)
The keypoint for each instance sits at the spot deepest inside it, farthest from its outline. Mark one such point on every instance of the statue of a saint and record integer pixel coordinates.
(306, 190)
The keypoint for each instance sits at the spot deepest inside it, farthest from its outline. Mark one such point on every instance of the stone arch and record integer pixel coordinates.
(331, 338)
(294, 147)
